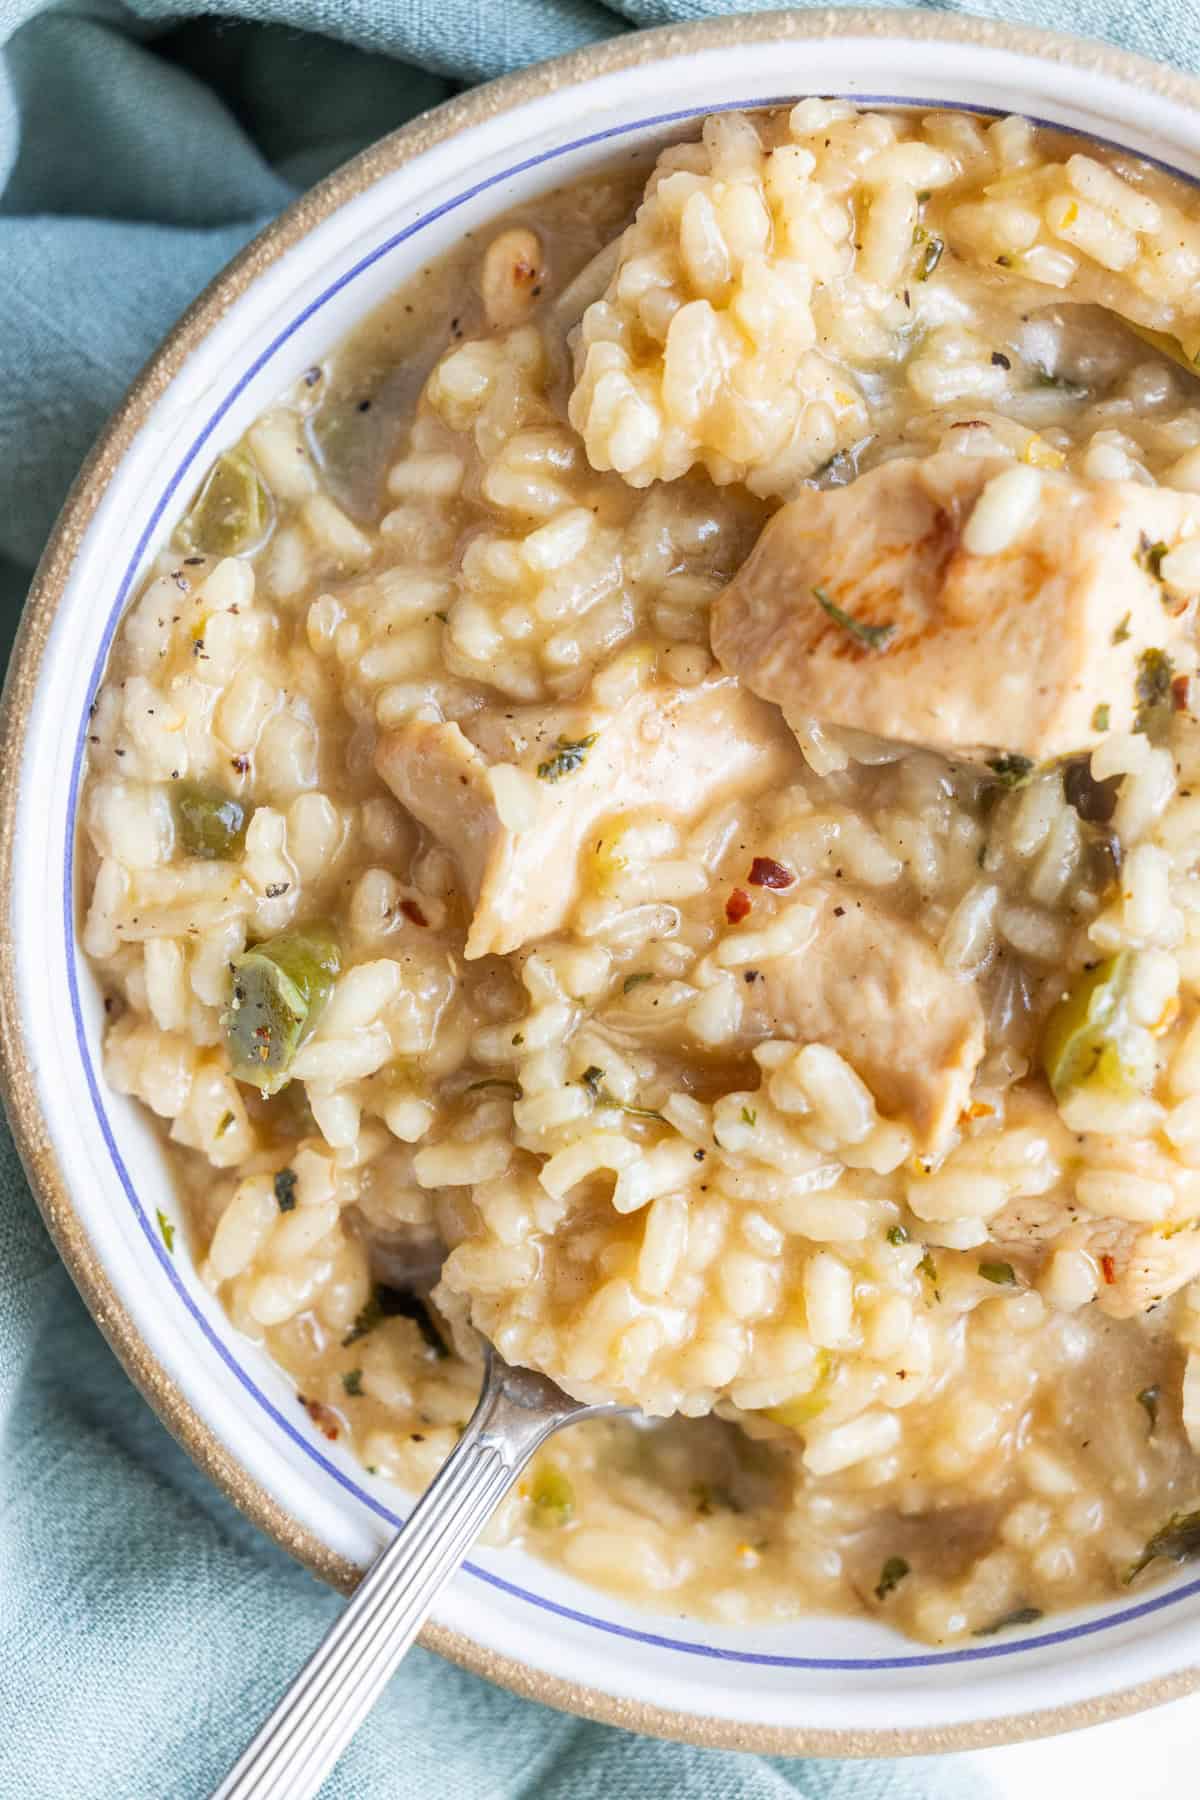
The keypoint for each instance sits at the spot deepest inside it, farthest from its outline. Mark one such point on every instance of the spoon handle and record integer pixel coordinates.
(311, 1726)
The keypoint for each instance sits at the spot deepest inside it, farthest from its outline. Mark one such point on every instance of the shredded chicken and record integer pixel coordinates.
(677, 750)
(874, 988)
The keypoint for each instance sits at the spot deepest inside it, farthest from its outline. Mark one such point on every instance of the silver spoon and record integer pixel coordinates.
(302, 1739)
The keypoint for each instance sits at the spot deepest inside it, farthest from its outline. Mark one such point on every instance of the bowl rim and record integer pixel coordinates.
(17, 1087)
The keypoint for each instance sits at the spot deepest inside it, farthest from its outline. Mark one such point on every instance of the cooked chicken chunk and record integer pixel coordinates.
(1136, 1265)
(962, 603)
(875, 989)
(516, 806)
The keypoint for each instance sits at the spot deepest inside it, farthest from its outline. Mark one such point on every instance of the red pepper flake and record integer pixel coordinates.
(322, 1416)
(1181, 693)
(766, 872)
(1108, 1269)
(412, 912)
(737, 906)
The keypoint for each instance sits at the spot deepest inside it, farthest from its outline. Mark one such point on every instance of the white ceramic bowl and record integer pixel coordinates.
(822, 1684)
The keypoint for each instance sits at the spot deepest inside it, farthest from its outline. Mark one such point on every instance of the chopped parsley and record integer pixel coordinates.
(890, 1576)
(928, 1269)
(748, 1117)
(1178, 1540)
(1122, 632)
(1046, 378)
(1148, 1401)
(875, 637)
(1153, 690)
(897, 1235)
(1023, 1615)
(397, 1303)
(593, 1080)
(634, 981)
(1149, 556)
(226, 1120)
(569, 756)
(1001, 1273)
(1100, 718)
(168, 1231)
(352, 1382)
(285, 1190)
(1011, 769)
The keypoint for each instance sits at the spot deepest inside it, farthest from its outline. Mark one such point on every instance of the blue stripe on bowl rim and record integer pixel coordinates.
(653, 1639)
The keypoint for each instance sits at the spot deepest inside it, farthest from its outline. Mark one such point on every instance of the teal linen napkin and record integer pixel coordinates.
(145, 1626)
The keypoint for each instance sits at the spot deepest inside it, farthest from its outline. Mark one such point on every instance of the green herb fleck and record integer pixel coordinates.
(1024, 1615)
(285, 1189)
(442, 616)
(495, 1081)
(928, 1269)
(1100, 718)
(634, 981)
(897, 1235)
(1011, 769)
(1149, 555)
(748, 1117)
(1045, 378)
(931, 258)
(593, 1080)
(1004, 262)
(1178, 1540)
(923, 195)
(223, 1124)
(1148, 1401)
(1153, 691)
(568, 757)
(352, 1382)
(890, 1576)
(875, 637)
(1001, 1273)
(1122, 632)
(397, 1303)
(519, 1038)
(168, 1231)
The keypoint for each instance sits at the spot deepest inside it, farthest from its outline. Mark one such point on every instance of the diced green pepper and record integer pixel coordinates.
(1178, 1541)
(1083, 1042)
(800, 1411)
(231, 513)
(551, 1496)
(279, 989)
(208, 823)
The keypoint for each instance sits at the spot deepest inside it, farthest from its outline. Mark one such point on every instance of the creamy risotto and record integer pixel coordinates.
(655, 799)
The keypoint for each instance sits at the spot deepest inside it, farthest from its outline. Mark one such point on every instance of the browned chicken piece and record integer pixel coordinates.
(866, 606)
(874, 988)
(1137, 1265)
(677, 750)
